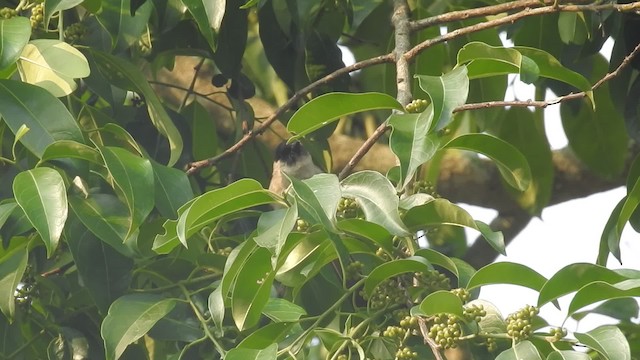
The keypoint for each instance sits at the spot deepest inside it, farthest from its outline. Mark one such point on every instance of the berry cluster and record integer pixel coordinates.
(302, 225)
(462, 293)
(446, 330)
(425, 187)
(75, 32)
(37, 15)
(433, 280)
(354, 270)
(558, 333)
(388, 292)
(347, 209)
(408, 326)
(519, 323)
(417, 106)
(7, 13)
(406, 353)
(224, 251)
(474, 312)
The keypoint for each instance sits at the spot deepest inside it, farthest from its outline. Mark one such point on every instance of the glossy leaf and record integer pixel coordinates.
(329, 107)
(208, 16)
(485, 60)
(441, 302)
(14, 35)
(511, 163)
(215, 304)
(268, 353)
(129, 318)
(319, 197)
(573, 277)
(437, 258)
(441, 211)
(274, 227)
(522, 350)
(393, 268)
(72, 150)
(610, 238)
(600, 290)
(53, 6)
(251, 289)
(377, 198)
(53, 65)
(124, 75)
(172, 189)
(133, 177)
(507, 273)
(107, 218)
(568, 355)
(367, 230)
(621, 309)
(265, 336)
(101, 269)
(46, 117)
(42, 195)
(572, 28)
(281, 310)
(411, 141)
(446, 93)
(607, 340)
(13, 263)
(209, 207)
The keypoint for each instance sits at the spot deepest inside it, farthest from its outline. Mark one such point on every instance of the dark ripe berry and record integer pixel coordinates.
(219, 80)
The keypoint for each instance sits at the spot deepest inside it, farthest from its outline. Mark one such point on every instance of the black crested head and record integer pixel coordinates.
(290, 153)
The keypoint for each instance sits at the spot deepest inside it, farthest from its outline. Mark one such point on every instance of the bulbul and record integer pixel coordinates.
(294, 160)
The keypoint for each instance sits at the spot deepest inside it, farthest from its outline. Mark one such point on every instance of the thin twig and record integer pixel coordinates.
(383, 59)
(435, 349)
(196, 70)
(416, 50)
(400, 21)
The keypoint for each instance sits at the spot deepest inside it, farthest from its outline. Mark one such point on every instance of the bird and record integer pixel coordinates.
(295, 161)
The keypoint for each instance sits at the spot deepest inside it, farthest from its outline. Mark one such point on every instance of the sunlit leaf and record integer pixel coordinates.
(393, 268)
(42, 195)
(281, 310)
(446, 93)
(70, 149)
(129, 318)
(411, 141)
(600, 290)
(268, 353)
(53, 65)
(14, 35)
(46, 117)
(607, 340)
(522, 350)
(568, 355)
(441, 302)
(329, 107)
(507, 273)
(251, 289)
(377, 198)
(511, 163)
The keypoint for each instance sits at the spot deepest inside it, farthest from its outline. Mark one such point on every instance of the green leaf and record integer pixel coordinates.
(377, 198)
(573, 277)
(411, 141)
(441, 302)
(251, 289)
(511, 163)
(274, 227)
(124, 75)
(268, 353)
(101, 269)
(608, 340)
(441, 211)
(209, 207)
(53, 6)
(572, 28)
(363, 229)
(42, 195)
(523, 350)
(319, 197)
(46, 117)
(208, 16)
(610, 238)
(600, 290)
(172, 189)
(53, 65)
(13, 263)
(446, 93)
(129, 318)
(72, 150)
(393, 268)
(107, 218)
(265, 336)
(485, 60)
(437, 258)
(14, 35)
(6, 210)
(179, 325)
(568, 355)
(329, 107)
(215, 304)
(133, 177)
(621, 309)
(507, 273)
(281, 310)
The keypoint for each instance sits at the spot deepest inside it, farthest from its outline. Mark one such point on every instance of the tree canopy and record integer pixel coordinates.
(136, 141)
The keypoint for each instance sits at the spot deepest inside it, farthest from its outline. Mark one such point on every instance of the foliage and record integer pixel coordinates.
(111, 250)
